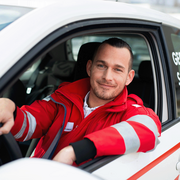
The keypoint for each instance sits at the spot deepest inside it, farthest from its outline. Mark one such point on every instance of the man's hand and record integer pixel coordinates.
(7, 108)
(66, 155)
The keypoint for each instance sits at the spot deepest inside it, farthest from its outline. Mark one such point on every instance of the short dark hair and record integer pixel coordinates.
(119, 43)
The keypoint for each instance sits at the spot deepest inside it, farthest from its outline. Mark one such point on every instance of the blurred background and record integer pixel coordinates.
(171, 7)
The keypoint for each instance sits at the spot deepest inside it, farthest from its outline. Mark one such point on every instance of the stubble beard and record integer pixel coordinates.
(103, 94)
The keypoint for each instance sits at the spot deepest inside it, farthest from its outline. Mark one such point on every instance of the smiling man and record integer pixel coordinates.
(100, 117)
(109, 73)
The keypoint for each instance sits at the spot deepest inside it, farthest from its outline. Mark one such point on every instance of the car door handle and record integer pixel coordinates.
(178, 167)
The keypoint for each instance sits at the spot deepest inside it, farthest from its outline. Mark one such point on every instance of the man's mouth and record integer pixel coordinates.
(106, 86)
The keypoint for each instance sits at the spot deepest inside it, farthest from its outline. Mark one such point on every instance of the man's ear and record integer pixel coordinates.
(88, 67)
(130, 77)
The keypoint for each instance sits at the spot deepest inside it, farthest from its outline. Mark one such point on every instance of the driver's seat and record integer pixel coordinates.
(86, 52)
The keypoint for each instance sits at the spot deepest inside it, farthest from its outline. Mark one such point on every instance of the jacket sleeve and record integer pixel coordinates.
(33, 121)
(138, 131)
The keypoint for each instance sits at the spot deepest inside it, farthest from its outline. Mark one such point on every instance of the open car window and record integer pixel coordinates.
(59, 65)
(136, 42)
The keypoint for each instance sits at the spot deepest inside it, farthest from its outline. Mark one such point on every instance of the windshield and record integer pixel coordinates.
(8, 14)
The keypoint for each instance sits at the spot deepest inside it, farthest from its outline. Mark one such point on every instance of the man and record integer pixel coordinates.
(99, 116)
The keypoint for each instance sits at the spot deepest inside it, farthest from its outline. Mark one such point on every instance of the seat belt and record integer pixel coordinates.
(49, 153)
(33, 77)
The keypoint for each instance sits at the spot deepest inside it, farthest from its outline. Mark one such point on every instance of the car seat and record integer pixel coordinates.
(61, 71)
(143, 85)
(86, 52)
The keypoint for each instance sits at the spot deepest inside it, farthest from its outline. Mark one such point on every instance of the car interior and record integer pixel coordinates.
(67, 62)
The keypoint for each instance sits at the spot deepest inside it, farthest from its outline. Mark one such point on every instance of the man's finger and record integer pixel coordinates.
(6, 127)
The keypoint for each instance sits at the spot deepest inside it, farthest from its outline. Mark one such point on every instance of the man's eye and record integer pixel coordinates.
(100, 65)
(118, 70)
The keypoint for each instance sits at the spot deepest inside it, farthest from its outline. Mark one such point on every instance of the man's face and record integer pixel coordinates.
(109, 72)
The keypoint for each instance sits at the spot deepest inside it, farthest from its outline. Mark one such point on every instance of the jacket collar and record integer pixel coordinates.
(76, 92)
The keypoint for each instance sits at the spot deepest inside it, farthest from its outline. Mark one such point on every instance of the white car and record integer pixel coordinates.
(39, 49)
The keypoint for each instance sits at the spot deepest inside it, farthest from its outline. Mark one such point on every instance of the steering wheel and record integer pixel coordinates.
(11, 145)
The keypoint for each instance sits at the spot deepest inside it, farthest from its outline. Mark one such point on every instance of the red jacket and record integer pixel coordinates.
(121, 126)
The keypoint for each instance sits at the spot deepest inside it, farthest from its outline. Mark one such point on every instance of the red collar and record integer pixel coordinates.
(77, 90)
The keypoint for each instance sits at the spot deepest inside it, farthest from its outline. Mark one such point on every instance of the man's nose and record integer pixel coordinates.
(108, 74)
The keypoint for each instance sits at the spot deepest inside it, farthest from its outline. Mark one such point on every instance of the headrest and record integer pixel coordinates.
(86, 53)
(63, 69)
(145, 71)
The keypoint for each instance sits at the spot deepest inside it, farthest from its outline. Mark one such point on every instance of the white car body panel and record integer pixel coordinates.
(23, 36)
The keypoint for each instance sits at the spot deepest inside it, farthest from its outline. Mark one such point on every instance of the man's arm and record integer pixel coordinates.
(136, 133)
(33, 121)
(79, 152)
(34, 118)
